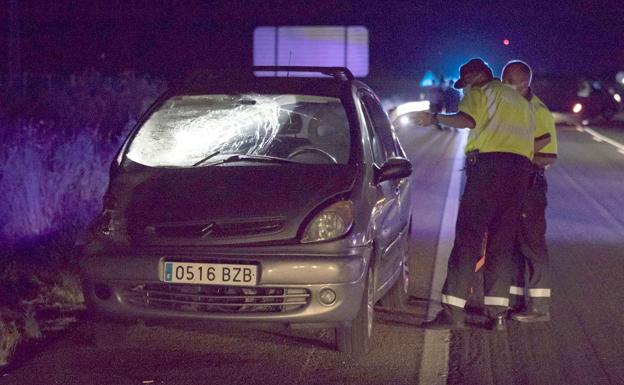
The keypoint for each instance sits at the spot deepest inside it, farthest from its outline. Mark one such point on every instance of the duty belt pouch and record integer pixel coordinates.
(537, 175)
(471, 158)
(471, 161)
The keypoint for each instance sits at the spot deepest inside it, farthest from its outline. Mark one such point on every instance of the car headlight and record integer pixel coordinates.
(331, 223)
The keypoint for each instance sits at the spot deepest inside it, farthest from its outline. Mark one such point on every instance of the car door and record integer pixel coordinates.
(404, 194)
(388, 221)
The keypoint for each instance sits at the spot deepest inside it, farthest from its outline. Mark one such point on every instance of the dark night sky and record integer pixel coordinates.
(167, 37)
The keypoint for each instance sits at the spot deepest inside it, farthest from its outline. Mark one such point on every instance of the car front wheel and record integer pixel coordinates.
(355, 339)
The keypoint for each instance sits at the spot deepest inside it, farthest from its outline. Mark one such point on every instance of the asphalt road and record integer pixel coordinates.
(583, 344)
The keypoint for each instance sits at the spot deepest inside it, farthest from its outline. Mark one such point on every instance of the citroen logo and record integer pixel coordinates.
(209, 229)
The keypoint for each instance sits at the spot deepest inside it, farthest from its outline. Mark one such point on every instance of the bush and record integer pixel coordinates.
(58, 138)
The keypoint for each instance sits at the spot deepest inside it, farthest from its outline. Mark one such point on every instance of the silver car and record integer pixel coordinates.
(256, 199)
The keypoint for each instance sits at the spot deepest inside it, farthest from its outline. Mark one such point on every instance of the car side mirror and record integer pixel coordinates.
(393, 168)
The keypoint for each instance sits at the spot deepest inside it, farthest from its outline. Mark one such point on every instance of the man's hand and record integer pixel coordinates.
(456, 120)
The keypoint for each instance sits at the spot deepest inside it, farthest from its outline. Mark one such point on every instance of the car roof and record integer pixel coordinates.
(338, 82)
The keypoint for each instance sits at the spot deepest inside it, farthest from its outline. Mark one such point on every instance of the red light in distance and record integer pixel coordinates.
(506, 41)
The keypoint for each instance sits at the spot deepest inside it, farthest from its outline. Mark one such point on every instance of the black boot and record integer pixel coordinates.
(537, 311)
(446, 320)
(531, 315)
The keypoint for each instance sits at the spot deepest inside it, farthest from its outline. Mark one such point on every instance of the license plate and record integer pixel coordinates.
(211, 273)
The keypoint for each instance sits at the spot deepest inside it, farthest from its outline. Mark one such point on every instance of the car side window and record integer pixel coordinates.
(383, 139)
(397, 145)
(379, 156)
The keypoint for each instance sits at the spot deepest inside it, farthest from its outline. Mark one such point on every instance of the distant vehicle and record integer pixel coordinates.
(256, 199)
(595, 102)
(579, 101)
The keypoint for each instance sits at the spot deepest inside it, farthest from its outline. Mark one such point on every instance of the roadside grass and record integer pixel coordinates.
(58, 136)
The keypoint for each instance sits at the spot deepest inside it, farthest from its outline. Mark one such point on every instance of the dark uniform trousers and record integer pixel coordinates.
(531, 253)
(491, 202)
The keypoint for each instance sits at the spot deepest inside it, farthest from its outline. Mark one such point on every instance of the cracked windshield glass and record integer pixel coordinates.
(202, 129)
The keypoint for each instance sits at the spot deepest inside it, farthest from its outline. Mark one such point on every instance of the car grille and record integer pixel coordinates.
(214, 229)
(216, 299)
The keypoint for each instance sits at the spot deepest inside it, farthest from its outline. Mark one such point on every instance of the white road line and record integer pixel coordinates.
(447, 227)
(435, 355)
(601, 138)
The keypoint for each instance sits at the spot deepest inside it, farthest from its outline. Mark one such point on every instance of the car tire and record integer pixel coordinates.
(355, 339)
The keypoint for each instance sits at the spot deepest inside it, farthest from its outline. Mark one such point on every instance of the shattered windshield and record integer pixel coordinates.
(187, 130)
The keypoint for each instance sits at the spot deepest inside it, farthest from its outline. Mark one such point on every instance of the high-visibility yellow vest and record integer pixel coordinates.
(544, 123)
(504, 121)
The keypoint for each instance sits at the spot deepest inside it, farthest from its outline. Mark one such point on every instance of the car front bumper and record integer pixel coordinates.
(130, 286)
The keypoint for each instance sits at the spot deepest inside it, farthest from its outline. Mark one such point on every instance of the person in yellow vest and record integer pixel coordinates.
(531, 249)
(498, 165)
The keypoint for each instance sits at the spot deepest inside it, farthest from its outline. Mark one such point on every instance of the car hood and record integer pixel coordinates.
(226, 204)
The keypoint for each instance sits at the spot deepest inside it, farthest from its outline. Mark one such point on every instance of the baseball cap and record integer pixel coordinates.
(472, 66)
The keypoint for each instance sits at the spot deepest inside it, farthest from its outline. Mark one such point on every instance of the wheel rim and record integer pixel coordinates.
(370, 305)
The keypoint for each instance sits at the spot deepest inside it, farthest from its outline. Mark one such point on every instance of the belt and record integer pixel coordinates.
(472, 156)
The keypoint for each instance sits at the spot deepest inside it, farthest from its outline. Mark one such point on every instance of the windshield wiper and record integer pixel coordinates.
(246, 102)
(252, 158)
(206, 158)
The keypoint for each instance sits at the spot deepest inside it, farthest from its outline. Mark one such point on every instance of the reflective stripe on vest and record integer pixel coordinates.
(491, 106)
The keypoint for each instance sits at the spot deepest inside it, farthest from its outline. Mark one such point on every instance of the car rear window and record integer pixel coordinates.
(187, 129)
